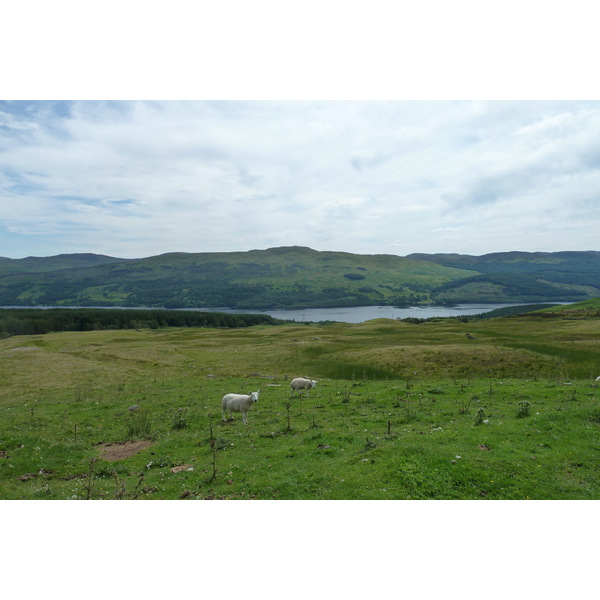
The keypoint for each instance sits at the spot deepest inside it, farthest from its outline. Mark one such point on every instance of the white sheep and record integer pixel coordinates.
(597, 378)
(238, 403)
(300, 383)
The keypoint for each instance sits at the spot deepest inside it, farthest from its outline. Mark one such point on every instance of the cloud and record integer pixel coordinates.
(141, 178)
(9, 121)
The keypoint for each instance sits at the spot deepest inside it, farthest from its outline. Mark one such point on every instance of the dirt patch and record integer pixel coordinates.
(182, 468)
(120, 451)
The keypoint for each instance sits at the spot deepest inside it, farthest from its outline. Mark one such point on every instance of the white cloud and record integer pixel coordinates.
(142, 178)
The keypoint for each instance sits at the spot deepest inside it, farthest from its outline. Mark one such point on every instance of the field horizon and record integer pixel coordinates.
(505, 408)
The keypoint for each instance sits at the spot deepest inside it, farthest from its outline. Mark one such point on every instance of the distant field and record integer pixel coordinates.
(496, 409)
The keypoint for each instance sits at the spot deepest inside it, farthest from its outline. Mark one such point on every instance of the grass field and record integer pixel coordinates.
(509, 411)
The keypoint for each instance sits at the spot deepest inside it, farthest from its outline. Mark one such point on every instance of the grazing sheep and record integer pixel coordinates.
(238, 403)
(301, 383)
(597, 378)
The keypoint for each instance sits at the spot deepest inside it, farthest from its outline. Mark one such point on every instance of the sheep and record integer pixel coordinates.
(301, 383)
(597, 378)
(238, 403)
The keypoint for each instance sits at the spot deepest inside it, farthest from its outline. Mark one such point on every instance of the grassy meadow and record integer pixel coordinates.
(503, 408)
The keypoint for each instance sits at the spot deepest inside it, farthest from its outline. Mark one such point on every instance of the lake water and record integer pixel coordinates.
(350, 314)
(359, 314)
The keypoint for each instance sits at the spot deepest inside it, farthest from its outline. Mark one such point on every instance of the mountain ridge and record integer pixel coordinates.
(298, 277)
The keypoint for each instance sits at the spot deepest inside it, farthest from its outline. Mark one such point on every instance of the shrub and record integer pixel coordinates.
(464, 408)
(479, 417)
(523, 410)
(354, 276)
(179, 418)
(222, 443)
(139, 423)
(594, 416)
(370, 444)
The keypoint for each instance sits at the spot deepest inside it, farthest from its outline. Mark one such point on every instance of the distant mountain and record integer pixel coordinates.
(288, 277)
(518, 262)
(297, 277)
(520, 276)
(33, 264)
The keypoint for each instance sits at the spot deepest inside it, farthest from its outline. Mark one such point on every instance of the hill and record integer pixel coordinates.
(298, 277)
(520, 277)
(35, 264)
(288, 277)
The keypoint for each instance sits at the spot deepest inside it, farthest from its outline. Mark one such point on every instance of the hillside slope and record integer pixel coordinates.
(288, 277)
(520, 277)
(298, 277)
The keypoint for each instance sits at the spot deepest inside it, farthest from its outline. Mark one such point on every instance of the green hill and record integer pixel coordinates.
(298, 277)
(288, 277)
(34, 264)
(520, 277)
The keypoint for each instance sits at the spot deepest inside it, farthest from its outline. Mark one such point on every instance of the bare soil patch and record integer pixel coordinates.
(182, 468)
(114, 452)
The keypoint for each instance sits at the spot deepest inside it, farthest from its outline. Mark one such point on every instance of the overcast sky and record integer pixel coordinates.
(136, 179)
(274, 168)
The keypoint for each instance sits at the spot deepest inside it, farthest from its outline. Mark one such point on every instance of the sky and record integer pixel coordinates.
(140, 178)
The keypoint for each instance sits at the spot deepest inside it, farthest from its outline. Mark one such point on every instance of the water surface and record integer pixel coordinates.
(349, 314)
(359, 314)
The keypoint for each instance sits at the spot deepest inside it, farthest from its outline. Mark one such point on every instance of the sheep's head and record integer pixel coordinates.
(254, 396)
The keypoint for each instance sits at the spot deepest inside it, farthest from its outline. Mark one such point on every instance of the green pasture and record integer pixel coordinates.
(498, 409)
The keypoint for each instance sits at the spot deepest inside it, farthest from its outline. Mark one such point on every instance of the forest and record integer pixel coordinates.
(32, 321)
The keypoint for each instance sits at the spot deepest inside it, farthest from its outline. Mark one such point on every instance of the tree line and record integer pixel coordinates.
(32, 321)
